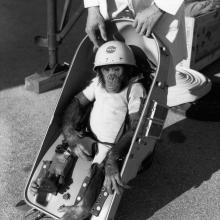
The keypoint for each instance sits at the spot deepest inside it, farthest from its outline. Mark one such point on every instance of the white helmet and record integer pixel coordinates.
(114, 52)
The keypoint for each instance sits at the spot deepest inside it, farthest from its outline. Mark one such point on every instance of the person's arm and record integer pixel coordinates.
(95, 25)
(147, 18)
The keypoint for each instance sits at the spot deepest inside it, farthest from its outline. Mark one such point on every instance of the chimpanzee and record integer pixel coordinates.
(117, 99)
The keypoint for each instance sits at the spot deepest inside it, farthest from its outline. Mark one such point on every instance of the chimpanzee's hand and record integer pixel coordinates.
(113, 180)
(71, 136)
(74, 212)
(80, 151)
(35, 186)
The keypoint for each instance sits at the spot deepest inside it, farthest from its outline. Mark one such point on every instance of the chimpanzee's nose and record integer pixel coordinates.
(111, 76)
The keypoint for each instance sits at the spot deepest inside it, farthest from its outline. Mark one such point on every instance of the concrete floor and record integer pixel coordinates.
(183, 182)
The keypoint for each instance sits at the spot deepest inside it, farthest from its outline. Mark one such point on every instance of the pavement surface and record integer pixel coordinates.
(183, 182)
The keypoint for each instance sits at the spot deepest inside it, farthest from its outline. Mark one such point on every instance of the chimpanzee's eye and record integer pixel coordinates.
(117, 68)
(112, 68)
(105, 68)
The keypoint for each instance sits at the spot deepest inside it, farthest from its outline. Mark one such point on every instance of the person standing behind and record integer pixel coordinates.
(164, 18)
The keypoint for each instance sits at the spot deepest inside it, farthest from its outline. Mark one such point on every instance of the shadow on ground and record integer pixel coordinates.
(185, 157)
(208, 107)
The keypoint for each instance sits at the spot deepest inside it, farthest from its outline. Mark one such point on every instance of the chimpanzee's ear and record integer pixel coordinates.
(100, 77)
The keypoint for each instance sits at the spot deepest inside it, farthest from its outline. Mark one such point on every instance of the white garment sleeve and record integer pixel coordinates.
(89, 91)
(136, 95)
(90, 3)
(170, 6)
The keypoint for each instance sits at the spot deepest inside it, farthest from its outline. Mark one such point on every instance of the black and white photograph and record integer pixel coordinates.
(110, 110)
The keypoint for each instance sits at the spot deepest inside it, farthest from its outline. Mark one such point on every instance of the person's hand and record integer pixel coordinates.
(95, 22)
(113, 181)
(146, 19)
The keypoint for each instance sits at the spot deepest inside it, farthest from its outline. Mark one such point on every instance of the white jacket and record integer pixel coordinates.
(171, 6)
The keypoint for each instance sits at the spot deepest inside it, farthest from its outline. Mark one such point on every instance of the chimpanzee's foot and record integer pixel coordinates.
(77, 212)
(82, 210)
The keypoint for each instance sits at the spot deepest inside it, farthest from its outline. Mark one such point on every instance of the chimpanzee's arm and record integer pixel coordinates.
(121, 148)
(72, 116)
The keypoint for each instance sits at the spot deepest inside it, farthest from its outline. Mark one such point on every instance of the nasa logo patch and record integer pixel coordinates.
(111, 49)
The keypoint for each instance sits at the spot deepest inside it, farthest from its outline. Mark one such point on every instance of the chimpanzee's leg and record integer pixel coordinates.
(81, 209)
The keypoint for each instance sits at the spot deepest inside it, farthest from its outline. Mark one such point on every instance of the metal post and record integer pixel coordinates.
(51, 32)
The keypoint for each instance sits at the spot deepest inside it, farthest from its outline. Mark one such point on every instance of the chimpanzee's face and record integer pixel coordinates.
(113, 76)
